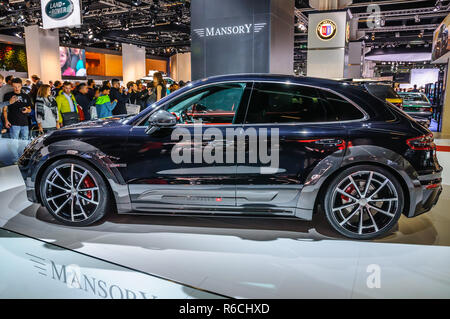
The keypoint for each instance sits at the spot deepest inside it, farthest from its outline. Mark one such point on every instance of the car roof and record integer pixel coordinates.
(354, 92)
(274, 77)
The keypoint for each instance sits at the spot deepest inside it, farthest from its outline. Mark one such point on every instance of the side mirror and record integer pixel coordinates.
(160, 119)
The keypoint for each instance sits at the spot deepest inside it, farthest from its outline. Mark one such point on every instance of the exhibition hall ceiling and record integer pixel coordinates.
(163, 26)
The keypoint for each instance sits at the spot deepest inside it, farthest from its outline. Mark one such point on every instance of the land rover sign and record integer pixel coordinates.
(59, 9)
(60, 13)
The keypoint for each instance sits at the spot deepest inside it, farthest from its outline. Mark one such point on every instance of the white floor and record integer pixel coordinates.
(255, 258)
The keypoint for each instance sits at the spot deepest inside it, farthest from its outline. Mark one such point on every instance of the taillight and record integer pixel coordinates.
(422, 143)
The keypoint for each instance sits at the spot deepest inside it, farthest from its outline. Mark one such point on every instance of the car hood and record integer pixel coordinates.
(110, 121)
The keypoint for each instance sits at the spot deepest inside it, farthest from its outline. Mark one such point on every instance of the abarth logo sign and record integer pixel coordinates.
(230, 30)
(59, 9)
(326, 29)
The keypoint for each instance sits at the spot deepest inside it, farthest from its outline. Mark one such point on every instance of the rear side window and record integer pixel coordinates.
(287, 103)
(338, 108)
(284, 103)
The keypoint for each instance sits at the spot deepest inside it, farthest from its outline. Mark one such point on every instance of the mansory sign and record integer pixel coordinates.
(230, 30)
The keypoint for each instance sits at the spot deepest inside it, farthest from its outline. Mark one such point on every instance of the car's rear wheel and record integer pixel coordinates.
(74, 192)
(364, 202)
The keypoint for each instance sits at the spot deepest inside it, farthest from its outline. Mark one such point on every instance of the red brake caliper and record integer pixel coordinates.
(88, 183)
(349, 190)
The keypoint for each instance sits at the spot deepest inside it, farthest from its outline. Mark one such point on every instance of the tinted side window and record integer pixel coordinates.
(339, 109)
(284, 103)
(215, 104)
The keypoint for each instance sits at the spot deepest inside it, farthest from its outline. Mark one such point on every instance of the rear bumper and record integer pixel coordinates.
(429, 193)
(426, 115)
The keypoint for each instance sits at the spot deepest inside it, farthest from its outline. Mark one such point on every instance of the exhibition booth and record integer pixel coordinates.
(338, 180)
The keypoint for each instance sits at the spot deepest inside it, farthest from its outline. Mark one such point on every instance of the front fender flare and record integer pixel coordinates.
(87, 152)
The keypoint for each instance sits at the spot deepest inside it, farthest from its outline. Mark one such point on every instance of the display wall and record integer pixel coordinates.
(13, 58)
(44, 58)
(420, 77)
(180, 67)
(101, 64)
(235, 36)
(328, 38)
(72, 62)
(110, 65)
(154, 64)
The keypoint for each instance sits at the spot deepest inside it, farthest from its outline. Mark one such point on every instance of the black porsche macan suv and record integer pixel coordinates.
(335, 146)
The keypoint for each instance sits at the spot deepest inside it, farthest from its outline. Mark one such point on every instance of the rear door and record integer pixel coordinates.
(301, 126)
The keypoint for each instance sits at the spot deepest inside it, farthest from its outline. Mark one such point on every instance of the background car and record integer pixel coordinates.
(338, 151)
(386, 93)
(417, 105)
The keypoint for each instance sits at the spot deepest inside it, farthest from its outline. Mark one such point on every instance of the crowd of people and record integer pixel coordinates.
(414, 89)
(34, 107)
(30, 108)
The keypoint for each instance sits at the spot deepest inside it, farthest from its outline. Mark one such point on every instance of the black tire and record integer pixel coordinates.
(102, 196)
(334, 201)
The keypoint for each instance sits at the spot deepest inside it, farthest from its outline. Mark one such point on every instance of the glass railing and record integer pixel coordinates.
(11, 150)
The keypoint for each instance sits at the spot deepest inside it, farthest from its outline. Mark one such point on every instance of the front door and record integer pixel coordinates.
(180, 168)
(297, 127)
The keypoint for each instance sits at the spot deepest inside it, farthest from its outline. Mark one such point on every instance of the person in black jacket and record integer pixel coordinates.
(84, 100)
(142, 94)
(35, 86)
(57, 87)
(122, 98)
(91, 88)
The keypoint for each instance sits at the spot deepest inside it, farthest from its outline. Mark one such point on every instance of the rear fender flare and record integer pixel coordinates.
(355, 155)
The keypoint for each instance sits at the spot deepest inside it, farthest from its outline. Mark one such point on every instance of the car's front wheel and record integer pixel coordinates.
(74, 192)
(364, 202)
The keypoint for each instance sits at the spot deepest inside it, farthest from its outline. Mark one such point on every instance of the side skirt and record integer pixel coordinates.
(175, 210)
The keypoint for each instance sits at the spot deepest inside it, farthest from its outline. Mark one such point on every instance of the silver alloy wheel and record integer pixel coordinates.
(364, 202)
(71, 192)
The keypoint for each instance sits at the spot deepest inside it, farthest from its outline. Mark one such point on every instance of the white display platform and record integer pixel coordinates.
(255, 258)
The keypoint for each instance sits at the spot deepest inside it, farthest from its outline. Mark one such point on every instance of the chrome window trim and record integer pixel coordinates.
(365, 117)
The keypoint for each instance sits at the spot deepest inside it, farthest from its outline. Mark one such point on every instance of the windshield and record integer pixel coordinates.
(382, 91)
